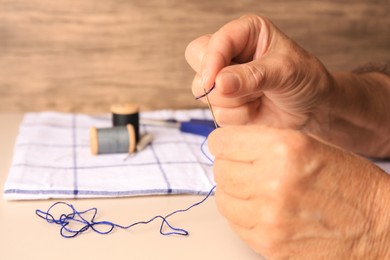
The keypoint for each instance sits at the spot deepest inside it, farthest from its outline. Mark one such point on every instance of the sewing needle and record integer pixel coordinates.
(211, 109)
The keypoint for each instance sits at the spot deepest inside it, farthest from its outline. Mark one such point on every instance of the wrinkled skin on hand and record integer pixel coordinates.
(289, 195)
(283, 189)
(261, 76)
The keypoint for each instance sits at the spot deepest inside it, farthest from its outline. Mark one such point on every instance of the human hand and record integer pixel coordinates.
(289, 195)
(261, 76)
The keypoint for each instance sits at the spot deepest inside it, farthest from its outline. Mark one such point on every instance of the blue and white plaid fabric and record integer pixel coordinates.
(52, 159)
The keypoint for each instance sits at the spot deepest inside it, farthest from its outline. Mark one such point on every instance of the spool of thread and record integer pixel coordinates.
(117, 139)
(125, 114)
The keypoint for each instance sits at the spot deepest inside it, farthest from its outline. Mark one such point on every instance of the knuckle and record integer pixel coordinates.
(302, 143)
(254, 75)
(282, 148)
(291, 144)
(255, 18)
(288, 64)
(288, 70)
(294, 151)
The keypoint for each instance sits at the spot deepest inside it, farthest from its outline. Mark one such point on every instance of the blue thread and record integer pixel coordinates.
(76, 217)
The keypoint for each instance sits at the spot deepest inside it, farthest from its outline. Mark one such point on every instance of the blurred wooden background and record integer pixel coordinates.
(85, 55)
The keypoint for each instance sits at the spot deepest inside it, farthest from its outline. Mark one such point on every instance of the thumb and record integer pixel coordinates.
(252, 77)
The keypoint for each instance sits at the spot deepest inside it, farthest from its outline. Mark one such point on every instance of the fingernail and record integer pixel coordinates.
(230, 83)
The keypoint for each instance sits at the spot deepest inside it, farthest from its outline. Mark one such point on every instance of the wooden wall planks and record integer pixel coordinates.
(85, 55)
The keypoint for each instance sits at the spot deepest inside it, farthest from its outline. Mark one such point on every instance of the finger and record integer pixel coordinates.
(250, 143)
(255, 77)
(235, 178)
(218, 100)
(264, 240)
(196, 90)
(246, 181)
(240, 39)
(240, 115)
(237, 211)
(261, 212)
(195, 51)
(239, 143)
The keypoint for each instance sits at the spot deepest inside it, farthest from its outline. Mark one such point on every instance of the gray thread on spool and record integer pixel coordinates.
(113, 140)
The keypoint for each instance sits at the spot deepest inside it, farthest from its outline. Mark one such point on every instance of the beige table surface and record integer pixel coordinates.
(25, 236)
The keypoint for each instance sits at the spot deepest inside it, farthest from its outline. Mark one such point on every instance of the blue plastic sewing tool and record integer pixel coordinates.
(198, 127)
(201, 127)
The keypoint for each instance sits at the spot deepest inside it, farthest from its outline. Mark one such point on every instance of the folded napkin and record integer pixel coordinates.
(52, 159)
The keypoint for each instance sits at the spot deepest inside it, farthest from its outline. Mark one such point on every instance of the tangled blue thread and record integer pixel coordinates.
(69, 222)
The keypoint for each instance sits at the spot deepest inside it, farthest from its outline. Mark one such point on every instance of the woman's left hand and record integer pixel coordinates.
(290, 195)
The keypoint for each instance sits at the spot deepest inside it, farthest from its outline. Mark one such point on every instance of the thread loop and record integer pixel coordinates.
(69, 222)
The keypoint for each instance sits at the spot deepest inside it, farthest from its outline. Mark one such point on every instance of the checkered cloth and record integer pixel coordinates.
(52, 159)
